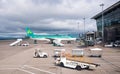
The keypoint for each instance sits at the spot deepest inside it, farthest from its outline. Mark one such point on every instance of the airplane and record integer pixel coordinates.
(49, 38)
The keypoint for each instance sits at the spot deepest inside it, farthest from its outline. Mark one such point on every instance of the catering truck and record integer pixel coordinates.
(78, 63)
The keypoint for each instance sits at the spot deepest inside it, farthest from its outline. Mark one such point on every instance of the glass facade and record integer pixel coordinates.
(110, 18)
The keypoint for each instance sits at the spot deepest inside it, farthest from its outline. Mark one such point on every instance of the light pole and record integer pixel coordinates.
(78, 30)
(102, 5)
(84, 27)
(84, 33)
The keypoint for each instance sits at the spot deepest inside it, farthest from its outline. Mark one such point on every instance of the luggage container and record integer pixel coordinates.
(57, 52)
(96, 52)
(77, 52)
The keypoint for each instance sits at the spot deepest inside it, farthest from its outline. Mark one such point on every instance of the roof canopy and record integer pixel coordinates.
(106, 11)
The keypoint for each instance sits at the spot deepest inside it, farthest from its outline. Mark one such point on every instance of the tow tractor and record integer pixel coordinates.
(39, 53)
(79, 63)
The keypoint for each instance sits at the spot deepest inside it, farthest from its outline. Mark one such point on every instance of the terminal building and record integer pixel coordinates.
(111, 19)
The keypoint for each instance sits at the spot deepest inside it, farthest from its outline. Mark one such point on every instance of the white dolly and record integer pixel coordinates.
(96, 52)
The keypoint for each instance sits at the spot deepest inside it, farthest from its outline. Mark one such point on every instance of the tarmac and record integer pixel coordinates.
(20, 60)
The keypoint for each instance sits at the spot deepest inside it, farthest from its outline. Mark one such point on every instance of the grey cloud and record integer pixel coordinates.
(51, 2)
(49, 15)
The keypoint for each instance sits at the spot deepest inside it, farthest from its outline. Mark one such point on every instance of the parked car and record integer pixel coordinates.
(90, 43)
(111, 44)
(25, 43)
(98, 40)
(117, 43)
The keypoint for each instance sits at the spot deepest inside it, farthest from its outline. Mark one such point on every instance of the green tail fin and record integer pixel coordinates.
(29, 32)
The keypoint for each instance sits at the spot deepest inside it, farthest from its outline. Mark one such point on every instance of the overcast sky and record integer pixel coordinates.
(49, 16)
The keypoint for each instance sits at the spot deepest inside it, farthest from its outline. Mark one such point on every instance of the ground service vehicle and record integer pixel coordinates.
(75, 62)
(39, 53)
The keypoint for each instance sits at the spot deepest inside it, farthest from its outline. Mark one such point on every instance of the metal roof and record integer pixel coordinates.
(109, 9)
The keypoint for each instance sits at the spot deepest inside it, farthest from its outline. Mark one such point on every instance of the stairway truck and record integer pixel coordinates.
(75, 64)
(16, 42)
